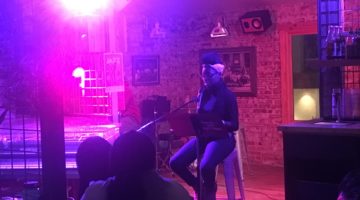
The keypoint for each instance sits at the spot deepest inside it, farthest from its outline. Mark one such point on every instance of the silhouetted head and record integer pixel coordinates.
(350, 186)
(132, 155)
(93, 161)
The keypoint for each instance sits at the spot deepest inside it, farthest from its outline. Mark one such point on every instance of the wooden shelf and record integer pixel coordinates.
(332, 62)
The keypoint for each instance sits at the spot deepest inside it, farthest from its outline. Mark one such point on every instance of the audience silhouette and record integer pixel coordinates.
(349, 188)
(133, 164)
(92, 161)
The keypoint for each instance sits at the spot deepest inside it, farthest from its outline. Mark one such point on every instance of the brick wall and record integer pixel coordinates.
(179, 65)
(179, 58)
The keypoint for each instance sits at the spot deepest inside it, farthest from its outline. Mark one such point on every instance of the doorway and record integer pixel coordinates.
(305, 77)
(286, 33)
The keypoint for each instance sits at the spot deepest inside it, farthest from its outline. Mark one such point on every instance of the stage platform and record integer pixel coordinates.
(20, 139)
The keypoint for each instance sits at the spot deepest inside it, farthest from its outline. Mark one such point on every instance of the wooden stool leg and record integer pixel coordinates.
(239, 166)
(229, 175)
(234, 161)
(244, 147)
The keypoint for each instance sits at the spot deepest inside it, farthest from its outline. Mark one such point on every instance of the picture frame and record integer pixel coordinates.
(240, 69)
(145, 70)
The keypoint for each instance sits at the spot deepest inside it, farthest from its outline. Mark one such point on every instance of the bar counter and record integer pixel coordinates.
(322, 127)
(317, 156)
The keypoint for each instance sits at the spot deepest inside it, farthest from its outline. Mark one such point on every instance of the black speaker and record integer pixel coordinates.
(255, 21)
(154, 107)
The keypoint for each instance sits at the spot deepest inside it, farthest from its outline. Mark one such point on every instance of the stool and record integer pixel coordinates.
(164, 153)
(164, 143)
(234, 161)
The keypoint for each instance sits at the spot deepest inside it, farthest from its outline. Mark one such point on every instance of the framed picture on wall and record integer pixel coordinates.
(145, 70)
(240, 69)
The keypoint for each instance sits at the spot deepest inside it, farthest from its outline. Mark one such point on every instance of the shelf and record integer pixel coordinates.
(332, 62)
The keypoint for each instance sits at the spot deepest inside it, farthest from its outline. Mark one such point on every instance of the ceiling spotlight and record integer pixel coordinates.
(85, 7)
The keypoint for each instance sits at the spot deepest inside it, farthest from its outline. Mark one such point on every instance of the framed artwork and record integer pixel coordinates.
(145, 70)
(240, 69)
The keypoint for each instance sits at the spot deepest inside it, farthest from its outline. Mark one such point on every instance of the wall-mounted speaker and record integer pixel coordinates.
(255, 21)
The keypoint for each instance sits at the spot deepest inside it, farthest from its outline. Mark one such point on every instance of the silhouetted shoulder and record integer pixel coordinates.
(97, 190)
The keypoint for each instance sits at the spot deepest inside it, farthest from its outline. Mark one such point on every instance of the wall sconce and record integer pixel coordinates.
(219, 30)
(306, 104)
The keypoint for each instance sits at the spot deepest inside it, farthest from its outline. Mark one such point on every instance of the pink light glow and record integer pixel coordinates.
(86, 7)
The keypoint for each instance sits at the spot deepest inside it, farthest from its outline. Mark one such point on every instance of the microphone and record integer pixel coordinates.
(188, 100)
(199, 95)
(3, 115)
(195, 99)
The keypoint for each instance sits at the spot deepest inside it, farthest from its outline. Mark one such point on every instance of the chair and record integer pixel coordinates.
(164, 141)
(234, 161)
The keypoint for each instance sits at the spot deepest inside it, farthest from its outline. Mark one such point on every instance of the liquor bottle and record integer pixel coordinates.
(336, 53)
(340, 43)
(357, 44)
(349, 41)
(330, 42)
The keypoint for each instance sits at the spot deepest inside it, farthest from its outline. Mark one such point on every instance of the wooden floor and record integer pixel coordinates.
(261, 183)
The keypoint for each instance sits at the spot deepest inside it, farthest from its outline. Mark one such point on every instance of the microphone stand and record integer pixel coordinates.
(153, 122)
(165, 115)
(3, 115)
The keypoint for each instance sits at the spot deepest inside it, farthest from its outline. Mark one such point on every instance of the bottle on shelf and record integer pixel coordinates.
(356, 44)
(335, 43)
(350, 47)
(330, 42)
(339, 43)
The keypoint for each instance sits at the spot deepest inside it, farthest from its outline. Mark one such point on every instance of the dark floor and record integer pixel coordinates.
(262, 182)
